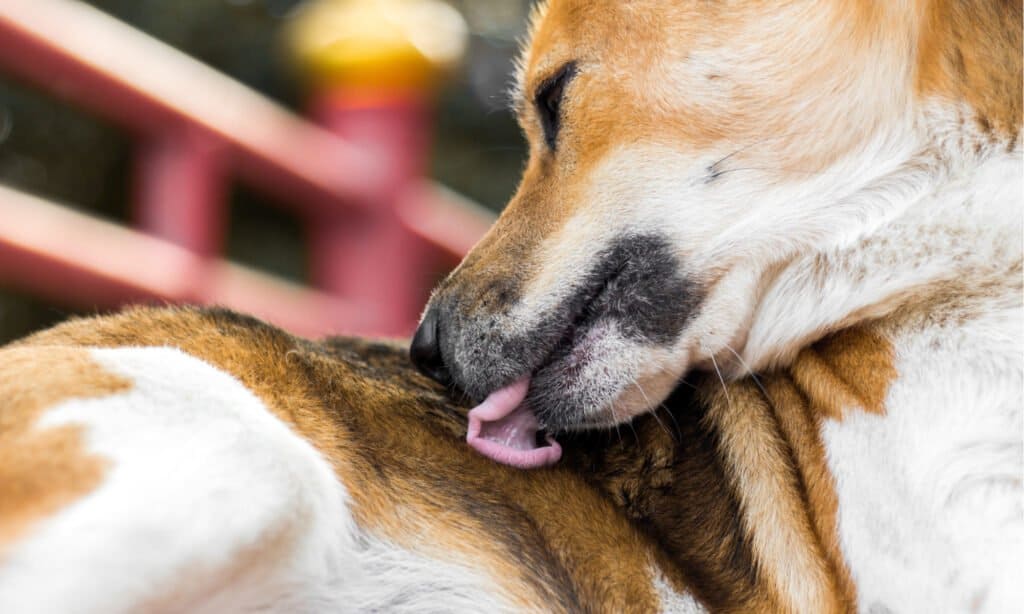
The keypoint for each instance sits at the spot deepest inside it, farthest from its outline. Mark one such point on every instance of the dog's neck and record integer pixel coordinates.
(947, 213)
(936, 193)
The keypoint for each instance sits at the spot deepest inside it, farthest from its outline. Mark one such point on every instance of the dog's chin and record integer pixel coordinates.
(595, 407)
(592, 383)
(567, 390)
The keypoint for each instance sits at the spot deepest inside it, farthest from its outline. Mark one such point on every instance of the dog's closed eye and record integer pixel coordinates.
(549, 102)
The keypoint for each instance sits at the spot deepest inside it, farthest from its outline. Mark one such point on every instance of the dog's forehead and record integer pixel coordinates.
(569, 30)
(626, 39)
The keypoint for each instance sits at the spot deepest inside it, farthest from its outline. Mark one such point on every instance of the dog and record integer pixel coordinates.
(719, 187)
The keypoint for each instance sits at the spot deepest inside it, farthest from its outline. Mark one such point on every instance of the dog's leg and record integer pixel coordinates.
(203, 501)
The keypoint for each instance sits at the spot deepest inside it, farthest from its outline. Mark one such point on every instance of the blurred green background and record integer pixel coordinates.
(64, 154)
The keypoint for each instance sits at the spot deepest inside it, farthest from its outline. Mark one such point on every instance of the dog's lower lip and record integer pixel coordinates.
(584, 316)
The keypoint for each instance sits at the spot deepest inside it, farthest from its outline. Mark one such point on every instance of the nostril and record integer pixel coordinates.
(425, 350)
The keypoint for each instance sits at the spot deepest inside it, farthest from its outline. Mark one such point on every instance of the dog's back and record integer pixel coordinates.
(178, 460)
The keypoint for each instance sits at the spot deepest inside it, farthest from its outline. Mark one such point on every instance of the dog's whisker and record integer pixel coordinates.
(750, 372)
(738, 150)
(687, 384)
(743, 148)
(633, 428)
(719, 173)
(663, 427)
(654, 413)
(721, 379)
(671, 415)
(615, 419)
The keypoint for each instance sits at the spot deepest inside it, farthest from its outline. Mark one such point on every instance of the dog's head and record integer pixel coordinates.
(680, 152)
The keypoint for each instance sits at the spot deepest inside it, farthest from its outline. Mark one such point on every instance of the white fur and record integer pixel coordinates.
(671, 600)
(211, 504)
(946, 224)
(929, 494)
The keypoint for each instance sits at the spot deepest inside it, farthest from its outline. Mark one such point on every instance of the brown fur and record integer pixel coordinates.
(972, 52)
(800, 427)
(763, 472)
(42, 470)
(848, 370)
(691, 482)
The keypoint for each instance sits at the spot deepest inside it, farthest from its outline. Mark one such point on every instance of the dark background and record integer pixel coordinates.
(64, 154)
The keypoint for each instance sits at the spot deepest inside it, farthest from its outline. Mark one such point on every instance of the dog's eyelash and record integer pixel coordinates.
(548, 102)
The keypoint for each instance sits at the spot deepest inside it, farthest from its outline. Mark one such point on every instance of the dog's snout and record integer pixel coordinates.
(425, 350)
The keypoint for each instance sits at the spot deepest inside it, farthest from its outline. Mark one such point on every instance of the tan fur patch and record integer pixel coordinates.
(44, 470)
(972, 52)
(775, 517)
(801, 428)
(850, 369)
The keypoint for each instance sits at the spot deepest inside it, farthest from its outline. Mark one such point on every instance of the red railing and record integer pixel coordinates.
(378, 231)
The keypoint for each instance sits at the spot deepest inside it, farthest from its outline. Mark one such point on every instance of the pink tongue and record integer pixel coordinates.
(504, 429)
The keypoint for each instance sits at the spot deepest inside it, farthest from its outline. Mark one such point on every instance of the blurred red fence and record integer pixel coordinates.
(378, 231)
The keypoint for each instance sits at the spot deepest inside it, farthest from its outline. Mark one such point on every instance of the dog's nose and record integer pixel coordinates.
(425, 350)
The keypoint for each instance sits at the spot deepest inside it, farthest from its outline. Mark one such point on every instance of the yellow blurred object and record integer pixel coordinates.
(387, 44)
